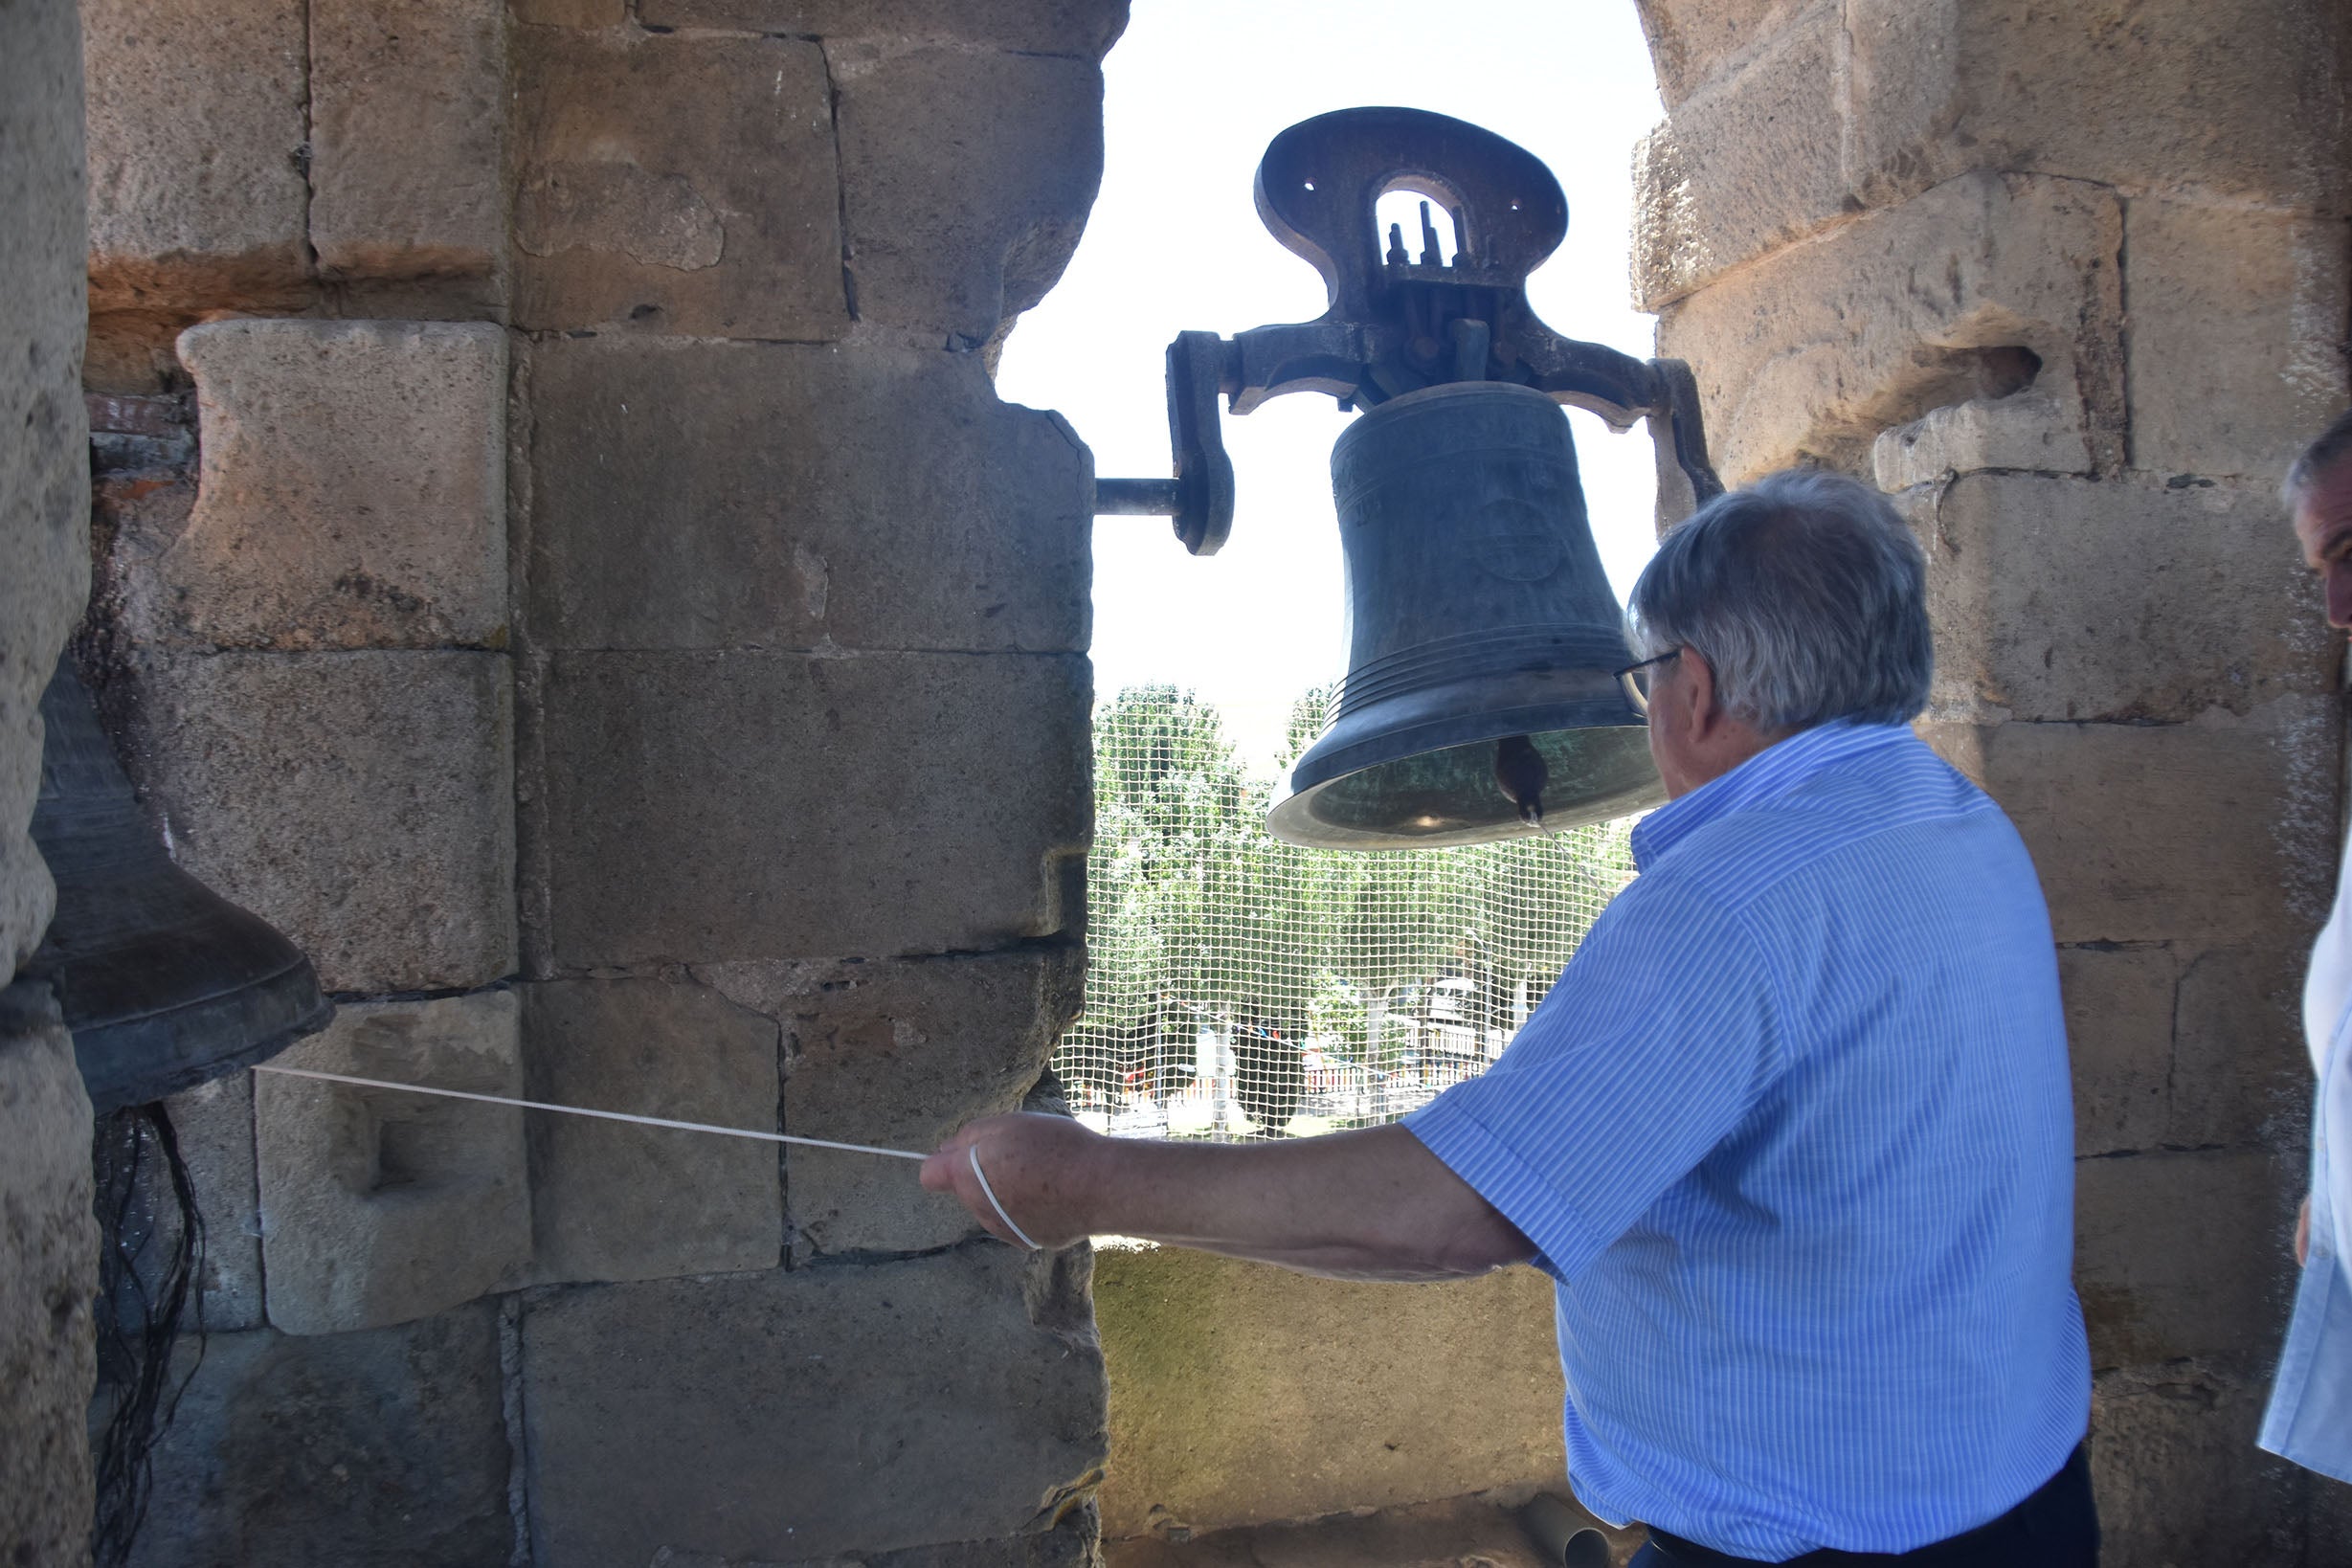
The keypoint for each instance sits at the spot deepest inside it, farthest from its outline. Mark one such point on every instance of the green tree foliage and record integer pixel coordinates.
(1199, 916)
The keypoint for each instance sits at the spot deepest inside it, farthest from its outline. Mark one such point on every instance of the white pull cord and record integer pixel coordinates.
(974, 1150)
(661, 1121)
(582, 1111)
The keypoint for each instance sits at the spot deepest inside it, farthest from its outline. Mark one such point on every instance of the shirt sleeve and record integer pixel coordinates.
(1662, 1032)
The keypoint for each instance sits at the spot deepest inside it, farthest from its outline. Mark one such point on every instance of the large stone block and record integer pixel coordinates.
(1241, 1394)
(611, 1202)
(2238, 100)
(1747, 163)
(1085, 29)
(2034, 432)
(2069, 598)
(198, 146)
(966, 179)
(360, 802)
(2240, 1071)
(44, 437)
(2220, 831)
(752, 805)
(352, 491)
(794, 1416)
(2176, 1473)
(898, 1055)
(2236, 355)
(407, 109)
(1978, 288)
(2119, 1030)
(1693, 42)
(701, 495)
(48, 1272)
(2184, 1254)
(379, 1206)
(675, 183)
(385, 1449)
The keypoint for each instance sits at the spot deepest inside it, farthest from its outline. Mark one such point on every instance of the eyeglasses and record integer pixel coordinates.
(1638, 679)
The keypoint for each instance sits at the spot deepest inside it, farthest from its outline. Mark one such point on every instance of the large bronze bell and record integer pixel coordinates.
(1482, 698)
(162, 981)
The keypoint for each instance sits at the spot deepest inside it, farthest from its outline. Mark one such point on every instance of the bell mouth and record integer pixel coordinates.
(1381, 780)
(1433, 800)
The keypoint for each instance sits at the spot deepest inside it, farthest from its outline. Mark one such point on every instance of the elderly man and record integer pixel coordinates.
(1791, 1133)
(2310, 1416)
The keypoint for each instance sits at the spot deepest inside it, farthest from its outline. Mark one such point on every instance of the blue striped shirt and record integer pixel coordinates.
(1793, 1135)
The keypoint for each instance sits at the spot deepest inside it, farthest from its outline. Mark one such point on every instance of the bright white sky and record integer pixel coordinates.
(1196, 89)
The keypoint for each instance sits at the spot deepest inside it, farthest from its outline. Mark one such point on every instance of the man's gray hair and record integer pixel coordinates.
(1805, 594)
(2333, 446)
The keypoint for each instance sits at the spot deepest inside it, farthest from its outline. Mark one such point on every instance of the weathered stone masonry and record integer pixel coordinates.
(563, 562)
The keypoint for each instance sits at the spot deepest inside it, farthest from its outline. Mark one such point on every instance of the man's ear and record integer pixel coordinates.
(1698, 693)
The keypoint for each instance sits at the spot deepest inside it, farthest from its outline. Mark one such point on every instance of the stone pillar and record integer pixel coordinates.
(563, 561)
(2074, 289)
(48, 1240)
(802, 610)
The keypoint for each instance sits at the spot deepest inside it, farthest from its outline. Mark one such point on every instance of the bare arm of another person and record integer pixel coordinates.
(1371, 1204)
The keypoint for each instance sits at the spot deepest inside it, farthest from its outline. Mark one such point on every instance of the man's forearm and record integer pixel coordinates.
(1373, 1204)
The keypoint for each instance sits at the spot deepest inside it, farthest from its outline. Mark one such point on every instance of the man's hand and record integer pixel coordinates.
(1035, 1164)
(2302, 1235)
(1370, 1204)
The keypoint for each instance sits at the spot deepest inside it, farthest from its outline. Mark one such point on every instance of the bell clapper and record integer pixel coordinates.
(1520, 773)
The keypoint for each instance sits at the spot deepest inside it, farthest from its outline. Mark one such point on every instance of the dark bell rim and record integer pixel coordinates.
(1318, 767)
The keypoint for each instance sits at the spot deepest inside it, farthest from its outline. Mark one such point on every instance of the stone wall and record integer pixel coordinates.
(1243, 1395)
(561, 561)
(48, 1240)
(2070, 282)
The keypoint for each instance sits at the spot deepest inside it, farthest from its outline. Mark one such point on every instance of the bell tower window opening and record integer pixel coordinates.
(1238, 986)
